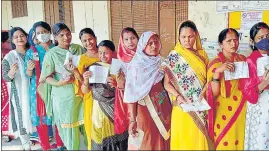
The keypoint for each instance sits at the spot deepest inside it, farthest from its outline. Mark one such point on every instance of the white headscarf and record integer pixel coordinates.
(142, 72)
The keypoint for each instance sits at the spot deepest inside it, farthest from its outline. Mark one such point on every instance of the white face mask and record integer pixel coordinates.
(43, 38)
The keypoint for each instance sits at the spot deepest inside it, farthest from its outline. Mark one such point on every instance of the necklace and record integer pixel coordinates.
(91, 54)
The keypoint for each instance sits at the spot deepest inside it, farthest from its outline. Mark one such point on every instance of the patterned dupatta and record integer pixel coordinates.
(104, 95)
(187, 72)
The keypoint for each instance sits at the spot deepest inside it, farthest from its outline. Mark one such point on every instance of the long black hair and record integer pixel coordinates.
(107, 43)
(254, 30)
(86, 31)
(223, 34)
(4, 36)
(57, 28)
(42, 24)
(187, 24)
(130, 29)
(11, 34)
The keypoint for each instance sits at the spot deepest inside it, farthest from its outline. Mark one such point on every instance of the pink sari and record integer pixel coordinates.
(5, 106)
(121, 121)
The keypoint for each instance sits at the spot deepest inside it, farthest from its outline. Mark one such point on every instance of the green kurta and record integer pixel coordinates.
(61, 102)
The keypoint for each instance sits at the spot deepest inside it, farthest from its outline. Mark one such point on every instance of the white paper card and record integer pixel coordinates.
(35, 56)
(262, 63)
(196, 106)
(136, 141)
(74, 58)
(241, 71)
(65, 74)
(116, 65)
(99, 74)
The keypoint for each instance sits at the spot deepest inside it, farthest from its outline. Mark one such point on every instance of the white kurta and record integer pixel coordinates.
(257, 124)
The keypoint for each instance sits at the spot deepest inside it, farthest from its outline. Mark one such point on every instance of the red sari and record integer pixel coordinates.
(153, 139)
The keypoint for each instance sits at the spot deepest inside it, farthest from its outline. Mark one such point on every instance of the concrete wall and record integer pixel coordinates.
(35, 13)
(93, 14)
(208, 22)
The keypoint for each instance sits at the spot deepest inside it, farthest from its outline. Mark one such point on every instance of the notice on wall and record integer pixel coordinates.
(248, 19)
(231, 6)
(212, 49)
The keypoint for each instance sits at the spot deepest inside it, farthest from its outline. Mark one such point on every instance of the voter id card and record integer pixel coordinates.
(35, 56)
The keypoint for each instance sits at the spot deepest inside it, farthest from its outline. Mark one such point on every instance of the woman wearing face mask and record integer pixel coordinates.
(186, 71)
(33, 41)
(126, 51)
(18, 85)
(56, 89)
(256, 90)
(228, 107)
(32, 68)
(88, 40)
(103, 136)
(148, 103)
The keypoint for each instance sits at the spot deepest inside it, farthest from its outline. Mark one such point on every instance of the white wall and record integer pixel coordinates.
(35, 13)
(92, 14)
(95, 14)
(5, 21)
(208, 22)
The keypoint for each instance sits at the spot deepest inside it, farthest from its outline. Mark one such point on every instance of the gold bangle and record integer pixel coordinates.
(85, 84)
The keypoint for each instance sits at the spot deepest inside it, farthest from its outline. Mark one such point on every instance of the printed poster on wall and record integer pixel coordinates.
(243, 5)
(248, 19)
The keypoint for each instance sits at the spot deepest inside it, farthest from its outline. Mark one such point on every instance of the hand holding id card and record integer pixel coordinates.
(241, 71)
(136, 141)
(35, 56)
(262, 65)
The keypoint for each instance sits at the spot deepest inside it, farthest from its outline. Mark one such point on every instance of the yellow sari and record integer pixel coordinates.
(84, 62)
(228, 114)
(188, 129)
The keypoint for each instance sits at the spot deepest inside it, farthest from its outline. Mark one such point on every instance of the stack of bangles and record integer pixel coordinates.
(120, 88)
(215, 80)
(177, 97)
(132, 121)
(257, 88)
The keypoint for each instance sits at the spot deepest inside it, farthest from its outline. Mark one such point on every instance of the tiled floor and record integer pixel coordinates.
(16, 145)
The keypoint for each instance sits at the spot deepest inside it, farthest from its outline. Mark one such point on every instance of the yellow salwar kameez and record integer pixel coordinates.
(102, 132)
(228, 114)
(85, 62)
(188, 129)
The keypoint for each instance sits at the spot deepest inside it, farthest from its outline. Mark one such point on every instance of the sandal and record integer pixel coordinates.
(8, 139)
(61, 148)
